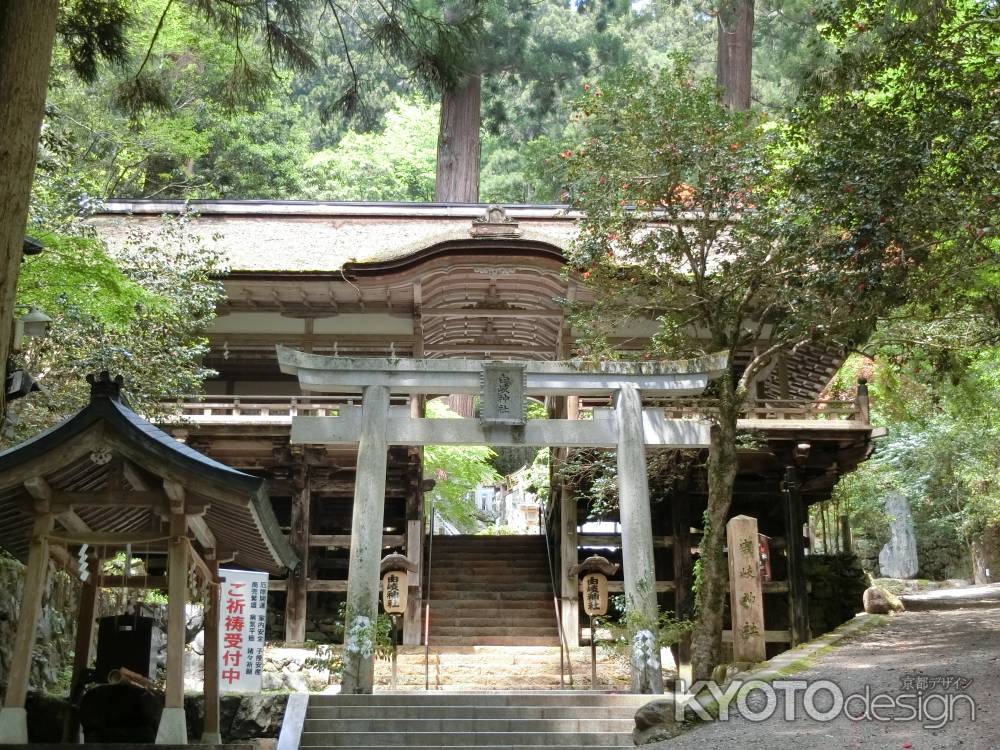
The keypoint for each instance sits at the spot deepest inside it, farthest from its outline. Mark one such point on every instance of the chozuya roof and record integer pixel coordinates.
(304, 236)
(75, 456)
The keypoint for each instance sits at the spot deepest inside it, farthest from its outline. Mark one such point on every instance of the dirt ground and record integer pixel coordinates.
(961, 643)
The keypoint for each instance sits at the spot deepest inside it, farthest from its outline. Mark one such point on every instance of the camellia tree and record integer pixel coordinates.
(689, 219)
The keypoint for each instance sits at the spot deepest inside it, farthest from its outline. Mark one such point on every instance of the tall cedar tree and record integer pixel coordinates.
(268, 35)
(95, 29)
(689, 220)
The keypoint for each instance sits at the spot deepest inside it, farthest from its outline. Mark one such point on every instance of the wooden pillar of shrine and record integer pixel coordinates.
(298, 538)
(13, 716)
(85, 620)
(798, 604)
(211, 733)
(173, 723)
(366, 542)
(639, 564)
(683, 574)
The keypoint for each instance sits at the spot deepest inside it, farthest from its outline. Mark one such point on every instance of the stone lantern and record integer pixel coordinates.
(593, 573)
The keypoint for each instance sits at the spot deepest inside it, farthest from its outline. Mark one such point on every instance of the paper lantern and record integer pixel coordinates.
(595, 594)
(593, 573)
(395, 570)
(394, 589)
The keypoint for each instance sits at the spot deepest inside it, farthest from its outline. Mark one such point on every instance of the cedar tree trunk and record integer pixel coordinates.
(734, 52)
(27, 31)
(458, 144)
(706, 640)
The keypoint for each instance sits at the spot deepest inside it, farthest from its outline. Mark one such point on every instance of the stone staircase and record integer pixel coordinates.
(465, 720)
(491, 591)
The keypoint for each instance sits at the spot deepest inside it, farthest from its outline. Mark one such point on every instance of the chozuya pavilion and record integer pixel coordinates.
(342, 320)
(103, 481)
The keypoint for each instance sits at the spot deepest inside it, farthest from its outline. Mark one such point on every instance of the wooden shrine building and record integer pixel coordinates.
(106, 480)
(430, 282)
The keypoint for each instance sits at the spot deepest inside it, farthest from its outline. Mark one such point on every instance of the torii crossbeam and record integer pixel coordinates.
(502, 388)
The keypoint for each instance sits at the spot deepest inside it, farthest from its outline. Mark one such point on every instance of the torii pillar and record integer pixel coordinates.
(366, 542)
(502, 387)
(638, 562)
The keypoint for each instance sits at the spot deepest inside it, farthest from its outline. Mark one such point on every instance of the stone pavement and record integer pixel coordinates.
(909, 651)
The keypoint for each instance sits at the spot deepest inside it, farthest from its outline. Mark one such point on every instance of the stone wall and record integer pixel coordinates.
(241, 717)
(54, 648)
(323, 621)
(837, 584)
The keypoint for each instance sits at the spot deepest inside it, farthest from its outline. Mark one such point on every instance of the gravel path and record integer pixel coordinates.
(955, 643)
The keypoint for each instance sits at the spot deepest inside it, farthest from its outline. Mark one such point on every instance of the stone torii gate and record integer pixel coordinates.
(502, 388)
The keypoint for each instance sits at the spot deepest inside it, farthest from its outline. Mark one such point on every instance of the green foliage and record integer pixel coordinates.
(457, 471)
(78, 268)
(941, 454)
(593, 474)
(395, 164)
(622, 625)
(139, 310)
(899, 144)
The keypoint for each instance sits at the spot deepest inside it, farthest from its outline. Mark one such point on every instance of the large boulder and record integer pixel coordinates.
(258, 716)
(898, 558)
(878, 601)
(657, 721)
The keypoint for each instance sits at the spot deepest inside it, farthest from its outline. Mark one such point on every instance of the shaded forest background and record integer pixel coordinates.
(878, 156)
(202, 132)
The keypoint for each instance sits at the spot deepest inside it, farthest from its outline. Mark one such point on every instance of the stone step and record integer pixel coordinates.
(497, 618)
(488, 556)
(526, 629)
(514, 595)
(389, 722)
(597, 713)
(535, 698)
(451, 739)
(497, 585)
(500, 571)
(494, 640)
(482, 601)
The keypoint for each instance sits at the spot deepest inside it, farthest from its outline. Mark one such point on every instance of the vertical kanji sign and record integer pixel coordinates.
(244, 615)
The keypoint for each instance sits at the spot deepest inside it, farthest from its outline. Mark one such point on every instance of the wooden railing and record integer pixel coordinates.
(280, 409)
(769, 409)
(257, 408)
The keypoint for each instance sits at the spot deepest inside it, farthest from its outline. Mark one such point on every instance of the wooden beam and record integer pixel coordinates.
(490, 312)
(615, 540)
(112, 538)
(110, 499)
(175, 495)
(343, 541)
(132, 582)
(312, 584)
(199, 527)
(618, 587)
(134, 477)
(39, 489)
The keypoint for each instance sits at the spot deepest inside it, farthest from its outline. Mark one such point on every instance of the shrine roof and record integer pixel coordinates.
(74, 458)
(311, 236)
